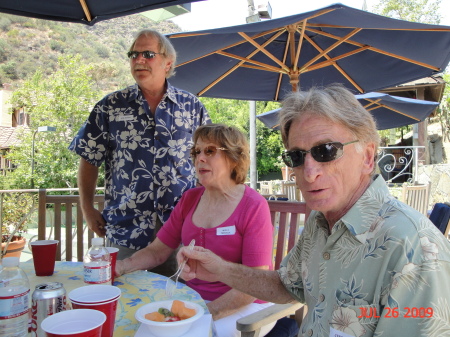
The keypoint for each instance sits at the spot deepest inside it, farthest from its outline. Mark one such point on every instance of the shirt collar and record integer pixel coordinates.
(136, 93)
(365, 211)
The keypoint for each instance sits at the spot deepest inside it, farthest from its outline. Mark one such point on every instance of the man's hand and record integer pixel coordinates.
(202, 264)
(95, 221)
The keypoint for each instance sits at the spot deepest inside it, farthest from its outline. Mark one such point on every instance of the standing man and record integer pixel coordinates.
(366, 264)
(143, 134)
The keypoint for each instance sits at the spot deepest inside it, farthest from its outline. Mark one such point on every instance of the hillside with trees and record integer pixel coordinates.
(27, 44)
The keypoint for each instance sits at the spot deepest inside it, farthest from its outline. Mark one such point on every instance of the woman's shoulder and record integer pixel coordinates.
(254, 197)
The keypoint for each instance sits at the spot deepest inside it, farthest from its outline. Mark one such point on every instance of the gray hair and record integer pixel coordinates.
(335, 103)
(165, 47)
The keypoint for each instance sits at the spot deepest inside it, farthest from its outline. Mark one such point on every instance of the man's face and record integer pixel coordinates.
(330, 187)
(149, 73)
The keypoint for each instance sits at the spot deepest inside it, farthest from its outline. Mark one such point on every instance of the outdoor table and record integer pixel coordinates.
(138, 288)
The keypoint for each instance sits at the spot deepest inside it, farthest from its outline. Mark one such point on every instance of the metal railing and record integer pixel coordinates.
(398, 164)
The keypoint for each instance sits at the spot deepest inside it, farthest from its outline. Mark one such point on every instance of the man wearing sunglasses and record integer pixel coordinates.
(143, 134)
(365, 264)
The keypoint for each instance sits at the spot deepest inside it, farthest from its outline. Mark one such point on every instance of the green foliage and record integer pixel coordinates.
(424, 11)
(235, 112)
(5, 23)
(62, 100)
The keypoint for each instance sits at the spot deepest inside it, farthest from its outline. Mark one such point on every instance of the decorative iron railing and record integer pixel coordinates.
(399, 164)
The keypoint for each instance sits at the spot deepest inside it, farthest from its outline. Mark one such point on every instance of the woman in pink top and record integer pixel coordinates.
(222, 215)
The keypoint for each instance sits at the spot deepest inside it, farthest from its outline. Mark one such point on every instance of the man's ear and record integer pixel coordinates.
(168, 65)
(369, 157)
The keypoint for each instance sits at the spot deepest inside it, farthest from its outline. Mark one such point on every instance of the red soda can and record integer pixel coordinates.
(47, 299)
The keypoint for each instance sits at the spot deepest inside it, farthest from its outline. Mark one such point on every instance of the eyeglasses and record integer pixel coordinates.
(147, 54)
(209, 151)
(322, 153)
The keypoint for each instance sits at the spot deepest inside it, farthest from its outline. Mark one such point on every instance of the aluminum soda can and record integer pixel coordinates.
(47, 299)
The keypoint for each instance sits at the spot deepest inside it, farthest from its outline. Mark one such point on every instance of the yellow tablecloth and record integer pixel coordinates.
(138, 288)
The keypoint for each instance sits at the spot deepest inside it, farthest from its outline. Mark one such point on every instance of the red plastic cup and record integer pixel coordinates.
(113, 254)
(44, 256)
(74, 323)
(103, 298)
(108, 308)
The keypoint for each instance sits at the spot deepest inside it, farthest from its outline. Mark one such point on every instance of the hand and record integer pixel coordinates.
(202, 264)
(120, 268)
(95, 221)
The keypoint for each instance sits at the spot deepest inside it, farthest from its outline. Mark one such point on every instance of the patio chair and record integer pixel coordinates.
(286, 218)
(291, 190)
(417, 196)
(440, 216)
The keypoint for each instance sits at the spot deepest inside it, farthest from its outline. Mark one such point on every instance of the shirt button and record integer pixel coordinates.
(321, 298)
(309, 332)
(326, 256)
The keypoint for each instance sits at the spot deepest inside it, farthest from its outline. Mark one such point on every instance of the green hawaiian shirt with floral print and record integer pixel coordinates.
(383, 271)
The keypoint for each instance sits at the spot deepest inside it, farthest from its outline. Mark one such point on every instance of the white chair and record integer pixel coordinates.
(417, 196)
(292, 191)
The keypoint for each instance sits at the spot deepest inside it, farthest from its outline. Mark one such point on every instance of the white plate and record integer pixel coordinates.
(201, 328)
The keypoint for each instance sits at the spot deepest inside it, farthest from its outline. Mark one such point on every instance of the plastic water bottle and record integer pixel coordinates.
(97, 264)
(14, 299)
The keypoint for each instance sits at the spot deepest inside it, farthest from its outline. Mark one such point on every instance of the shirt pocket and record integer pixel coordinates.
(355, 314)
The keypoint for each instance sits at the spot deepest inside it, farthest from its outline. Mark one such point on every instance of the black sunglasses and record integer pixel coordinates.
(209, 151)
(147, 54)
(321, 153)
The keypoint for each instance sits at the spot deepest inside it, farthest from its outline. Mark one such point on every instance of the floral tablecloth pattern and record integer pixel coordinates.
(138, 288)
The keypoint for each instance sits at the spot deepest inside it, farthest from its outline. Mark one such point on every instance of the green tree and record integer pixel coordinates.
(236, 113)
(424, 11)
(62, 100)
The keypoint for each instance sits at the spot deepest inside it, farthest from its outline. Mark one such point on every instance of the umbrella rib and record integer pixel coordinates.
(241, 63)
(334, 64)
(245, 59)
(332, 61)
(280, 31)
(263, 50)
(86, 10)
(333, 46)
(392, 109)
(377, 50)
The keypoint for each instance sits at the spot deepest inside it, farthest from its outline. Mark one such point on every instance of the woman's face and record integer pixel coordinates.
(213, 167)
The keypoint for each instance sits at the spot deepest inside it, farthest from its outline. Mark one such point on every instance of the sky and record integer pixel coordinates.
(221, 13)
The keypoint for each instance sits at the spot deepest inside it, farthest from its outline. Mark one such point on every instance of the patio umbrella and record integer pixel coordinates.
(388, 111)
(335, 44)
(82, 11)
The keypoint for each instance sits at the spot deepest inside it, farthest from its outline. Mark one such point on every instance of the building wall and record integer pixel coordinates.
(5, 108)
(439, 175)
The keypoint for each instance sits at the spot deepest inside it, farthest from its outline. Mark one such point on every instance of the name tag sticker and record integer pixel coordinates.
(230, 230)
(125, 118)
(337, 333)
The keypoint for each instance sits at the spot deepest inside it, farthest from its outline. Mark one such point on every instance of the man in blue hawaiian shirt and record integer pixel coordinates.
(143, 134)
(365, 264)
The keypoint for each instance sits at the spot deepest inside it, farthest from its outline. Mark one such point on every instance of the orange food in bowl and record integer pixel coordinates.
(155, 316)
(180, 310)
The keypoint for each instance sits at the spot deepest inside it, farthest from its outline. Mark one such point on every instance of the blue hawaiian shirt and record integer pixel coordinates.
(147, 159)
(382, 271)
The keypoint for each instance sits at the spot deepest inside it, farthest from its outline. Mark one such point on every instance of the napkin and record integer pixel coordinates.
(200, 328)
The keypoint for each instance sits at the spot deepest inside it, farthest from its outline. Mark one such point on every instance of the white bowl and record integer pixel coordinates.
(167, 329)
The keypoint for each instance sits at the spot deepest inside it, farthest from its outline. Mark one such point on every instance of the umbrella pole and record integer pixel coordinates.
(252, 120)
